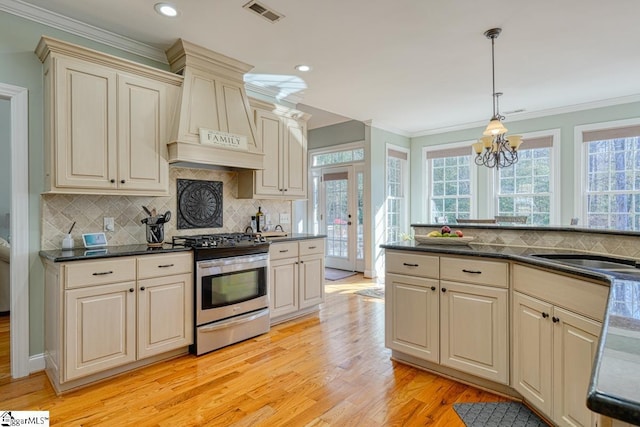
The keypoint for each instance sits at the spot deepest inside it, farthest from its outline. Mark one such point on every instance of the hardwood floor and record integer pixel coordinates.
(327, 369)
(5, 349)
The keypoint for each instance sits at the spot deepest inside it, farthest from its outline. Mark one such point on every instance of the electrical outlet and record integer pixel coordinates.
(284, 218)
(267, 218)
(109, 224)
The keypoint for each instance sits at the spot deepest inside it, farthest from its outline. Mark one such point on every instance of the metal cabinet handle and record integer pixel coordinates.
(122, 181)
(545, 315)
(312, 247)
(555, 319)
(444, 289)
(142, 288)
(103, 273)
(301, 262)
(410, 265)
(471, 271)
(131, 289)
(433, 288)
(113, 181)
(166, 265)
(284, 250)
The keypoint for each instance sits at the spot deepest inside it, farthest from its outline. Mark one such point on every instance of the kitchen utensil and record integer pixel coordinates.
(70, 229)
(167, 216)
(144, 220)
(153, 212)
(146, 210)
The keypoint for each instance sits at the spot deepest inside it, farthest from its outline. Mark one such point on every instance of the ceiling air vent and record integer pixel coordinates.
(264, 11)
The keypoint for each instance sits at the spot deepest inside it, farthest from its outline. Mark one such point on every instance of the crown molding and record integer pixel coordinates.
(537, 114)
(387, 128)
(73, 26)
(271, 92)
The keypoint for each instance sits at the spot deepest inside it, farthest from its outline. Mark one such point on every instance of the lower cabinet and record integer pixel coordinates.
(106, 314)
(474, 330)
(459, 325)
(296, 277)
(554, 346)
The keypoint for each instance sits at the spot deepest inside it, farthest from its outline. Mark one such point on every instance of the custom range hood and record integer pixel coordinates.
(213, 124)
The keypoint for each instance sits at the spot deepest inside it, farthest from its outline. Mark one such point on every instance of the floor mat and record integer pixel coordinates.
(375, 292)
(497, 414)
(335, 274)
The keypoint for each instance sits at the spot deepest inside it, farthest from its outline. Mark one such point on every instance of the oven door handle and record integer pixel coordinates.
(236, 321)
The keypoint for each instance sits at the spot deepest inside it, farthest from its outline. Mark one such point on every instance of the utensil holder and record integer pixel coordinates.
(155, 235)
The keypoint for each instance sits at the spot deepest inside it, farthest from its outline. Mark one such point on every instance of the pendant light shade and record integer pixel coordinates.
(495, 149)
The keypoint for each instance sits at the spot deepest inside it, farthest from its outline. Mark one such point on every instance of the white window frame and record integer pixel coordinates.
(580, 152)
(406, 184)
(554, 179)
(426, 175)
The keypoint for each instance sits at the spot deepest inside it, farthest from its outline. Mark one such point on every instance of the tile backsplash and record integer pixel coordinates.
(577, 240)
(59, 211)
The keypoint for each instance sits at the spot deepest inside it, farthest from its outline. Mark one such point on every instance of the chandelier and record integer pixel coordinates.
(495, 149)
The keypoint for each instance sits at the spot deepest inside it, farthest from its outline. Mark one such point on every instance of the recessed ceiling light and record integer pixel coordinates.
(166, 9)
(303, 68)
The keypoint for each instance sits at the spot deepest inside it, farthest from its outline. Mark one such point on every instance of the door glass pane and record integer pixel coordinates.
(336, 191)
(360, 216)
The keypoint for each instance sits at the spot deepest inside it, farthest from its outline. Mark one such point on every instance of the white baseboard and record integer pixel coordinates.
(36, 363)
(369, 274)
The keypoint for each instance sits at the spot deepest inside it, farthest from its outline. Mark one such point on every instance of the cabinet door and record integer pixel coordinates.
(474, 327)
(411, 316)
(575, 342)
(165, 314)
(142, 160)
(99, 328)
(294, 169)
(532, 351)
(268, 181)
(283, 286)
(85, 153)
(311, 280)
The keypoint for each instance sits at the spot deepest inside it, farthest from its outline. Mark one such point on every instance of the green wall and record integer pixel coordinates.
(342, 133)
(19, 66)
(566, 122)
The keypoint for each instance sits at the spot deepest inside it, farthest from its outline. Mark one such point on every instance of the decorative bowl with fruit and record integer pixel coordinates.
(445, 236)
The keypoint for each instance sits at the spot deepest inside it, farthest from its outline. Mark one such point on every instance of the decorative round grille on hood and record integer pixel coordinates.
(199, 204)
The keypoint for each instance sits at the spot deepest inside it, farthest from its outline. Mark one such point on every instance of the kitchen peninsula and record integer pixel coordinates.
(581, 324)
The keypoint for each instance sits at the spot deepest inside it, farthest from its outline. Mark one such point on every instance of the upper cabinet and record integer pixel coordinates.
(105, 122)
(283, 133)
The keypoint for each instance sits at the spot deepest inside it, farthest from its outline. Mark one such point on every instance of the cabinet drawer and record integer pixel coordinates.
(283, 250)
(476, 271)
(310, 247)
(89, 273)
(412, 264)
(164, 265)
(586, 298)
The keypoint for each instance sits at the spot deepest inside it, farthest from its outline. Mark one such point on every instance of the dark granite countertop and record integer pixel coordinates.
(296, 236)
(613, 390)
(534, 228)
(79, 254)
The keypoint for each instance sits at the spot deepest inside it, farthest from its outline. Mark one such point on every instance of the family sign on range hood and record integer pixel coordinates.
(213, 124)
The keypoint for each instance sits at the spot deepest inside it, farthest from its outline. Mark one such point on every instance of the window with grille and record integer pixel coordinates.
(526, 188)
(397, 194)
(450, 184)
(611, 198)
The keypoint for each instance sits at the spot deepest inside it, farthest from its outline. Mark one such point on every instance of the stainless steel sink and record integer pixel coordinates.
(596, 262)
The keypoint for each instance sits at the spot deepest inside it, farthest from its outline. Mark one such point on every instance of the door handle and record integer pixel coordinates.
(349, 223)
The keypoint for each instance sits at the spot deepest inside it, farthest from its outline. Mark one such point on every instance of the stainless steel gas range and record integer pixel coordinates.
(231, 282)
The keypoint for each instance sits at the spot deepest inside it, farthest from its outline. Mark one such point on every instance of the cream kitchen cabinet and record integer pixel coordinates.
(296, 278)
(105, 122)
(461, 324)
(111, 315)
(556, 325)
(283, 133)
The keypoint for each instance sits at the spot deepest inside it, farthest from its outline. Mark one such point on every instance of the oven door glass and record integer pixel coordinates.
(231, 288)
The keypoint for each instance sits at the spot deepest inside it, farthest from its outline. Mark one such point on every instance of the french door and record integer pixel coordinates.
(338, 212)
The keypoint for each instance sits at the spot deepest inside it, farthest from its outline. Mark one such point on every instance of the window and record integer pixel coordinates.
(397, 193)
(336, 157)
(612, 177)
(525, 189)
(449, 184)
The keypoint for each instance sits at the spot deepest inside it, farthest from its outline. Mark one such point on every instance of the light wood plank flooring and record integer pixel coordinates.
(327, 369)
